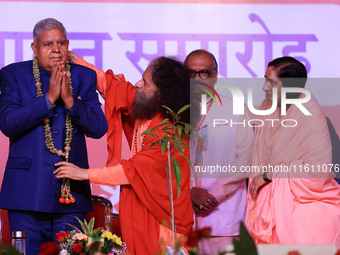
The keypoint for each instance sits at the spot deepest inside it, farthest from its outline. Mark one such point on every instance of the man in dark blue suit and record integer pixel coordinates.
(47, 107)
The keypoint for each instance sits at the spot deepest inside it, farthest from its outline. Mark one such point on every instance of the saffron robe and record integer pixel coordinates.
(296, 207)
(144, 203)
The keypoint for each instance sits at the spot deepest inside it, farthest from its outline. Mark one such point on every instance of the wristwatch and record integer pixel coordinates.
(265, 177)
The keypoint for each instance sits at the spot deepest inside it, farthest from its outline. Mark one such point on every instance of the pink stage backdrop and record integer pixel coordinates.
(125, 35)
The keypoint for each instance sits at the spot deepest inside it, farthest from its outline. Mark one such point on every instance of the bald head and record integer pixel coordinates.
(202, 54)
(202, 64)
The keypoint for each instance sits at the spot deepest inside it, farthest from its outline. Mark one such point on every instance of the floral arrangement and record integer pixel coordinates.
(89, 240)
(244, 245)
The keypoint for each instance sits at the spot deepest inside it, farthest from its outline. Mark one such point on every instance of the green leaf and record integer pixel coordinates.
(164, 145)
(83, 225)
(164, 106)
(182, 123)
(187, 159)
(97, 232)
(179, 130)
(163, 122)
(74, 227)
(174, 115)
(246, 245)
(177, 142)
(168, 128)
(165, 138)
(154, 143)
(187, 128)
(149, 132)
(178, 175)
(90, 225)
(185, 107)
(169, 133)
(86, 227)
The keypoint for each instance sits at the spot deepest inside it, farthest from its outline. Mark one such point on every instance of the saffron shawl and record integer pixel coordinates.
(144, 204)
(296, 207)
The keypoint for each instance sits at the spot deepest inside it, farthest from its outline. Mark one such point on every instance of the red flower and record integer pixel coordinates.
(205, 232)
(77, 247)
(338, 253)
(62, 236)
(193, 238)
(49, 248)
(294, 253)
(195, 235)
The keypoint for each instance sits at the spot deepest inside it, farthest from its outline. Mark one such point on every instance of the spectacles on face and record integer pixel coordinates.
(203, 74)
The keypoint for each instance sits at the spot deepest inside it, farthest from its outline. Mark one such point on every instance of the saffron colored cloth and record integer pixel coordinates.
(296, 207)
(144, 201)
(111, 175)
(144, 204)
(119, 95)
(115, 175)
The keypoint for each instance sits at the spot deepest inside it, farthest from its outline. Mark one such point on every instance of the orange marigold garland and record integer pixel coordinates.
(65, 196)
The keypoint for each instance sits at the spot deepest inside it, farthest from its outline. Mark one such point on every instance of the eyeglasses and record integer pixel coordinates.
(203, 74)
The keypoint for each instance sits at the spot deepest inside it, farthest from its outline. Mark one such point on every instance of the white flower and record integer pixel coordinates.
(171, 251)
(63, 252)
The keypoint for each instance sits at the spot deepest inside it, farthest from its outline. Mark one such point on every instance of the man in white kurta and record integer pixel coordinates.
(218, 197)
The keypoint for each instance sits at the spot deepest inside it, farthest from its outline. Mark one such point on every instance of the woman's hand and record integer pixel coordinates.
(70, 171)
(255, 185)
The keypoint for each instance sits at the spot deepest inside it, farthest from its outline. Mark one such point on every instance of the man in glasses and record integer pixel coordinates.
(219, 200)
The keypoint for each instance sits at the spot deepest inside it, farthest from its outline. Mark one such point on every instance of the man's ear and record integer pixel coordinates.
(34, 48)
(215, 74)
(215, 77)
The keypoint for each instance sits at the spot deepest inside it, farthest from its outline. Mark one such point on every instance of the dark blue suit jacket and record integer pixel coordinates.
(29, 183)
